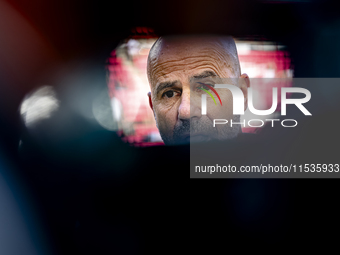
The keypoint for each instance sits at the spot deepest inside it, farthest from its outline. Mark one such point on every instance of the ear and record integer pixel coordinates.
(245, 84)
(150, 101)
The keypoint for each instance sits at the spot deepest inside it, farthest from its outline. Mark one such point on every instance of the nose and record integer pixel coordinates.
(184, 107)
(189, 107)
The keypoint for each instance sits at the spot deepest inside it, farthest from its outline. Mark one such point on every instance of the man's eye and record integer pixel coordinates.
(169, 93)
(205, 86)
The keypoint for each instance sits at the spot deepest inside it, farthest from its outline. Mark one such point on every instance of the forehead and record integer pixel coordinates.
(172, 47)
(185, 56)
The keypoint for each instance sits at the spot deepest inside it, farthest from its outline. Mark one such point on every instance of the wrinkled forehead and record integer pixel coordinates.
(168, 53)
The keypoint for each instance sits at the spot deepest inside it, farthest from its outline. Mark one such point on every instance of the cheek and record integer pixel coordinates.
(224, 111)
(166, 117)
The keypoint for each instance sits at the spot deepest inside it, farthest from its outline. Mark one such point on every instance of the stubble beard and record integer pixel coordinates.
(186, 128)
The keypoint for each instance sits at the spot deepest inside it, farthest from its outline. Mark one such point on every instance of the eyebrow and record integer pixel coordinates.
(170, 84)
(165, 85)
(205, 74)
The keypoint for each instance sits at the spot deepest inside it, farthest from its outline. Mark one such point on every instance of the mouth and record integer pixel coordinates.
(198, 137)
(185, 138)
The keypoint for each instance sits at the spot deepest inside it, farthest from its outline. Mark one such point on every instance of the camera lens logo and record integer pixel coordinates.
(212, 89)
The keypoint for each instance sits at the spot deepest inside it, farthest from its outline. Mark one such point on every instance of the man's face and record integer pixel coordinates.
(178, 71)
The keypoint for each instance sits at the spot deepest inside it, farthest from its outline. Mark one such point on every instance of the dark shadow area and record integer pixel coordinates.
(84, 191)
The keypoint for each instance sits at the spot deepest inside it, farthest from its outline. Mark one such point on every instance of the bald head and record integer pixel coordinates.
(172, 53)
